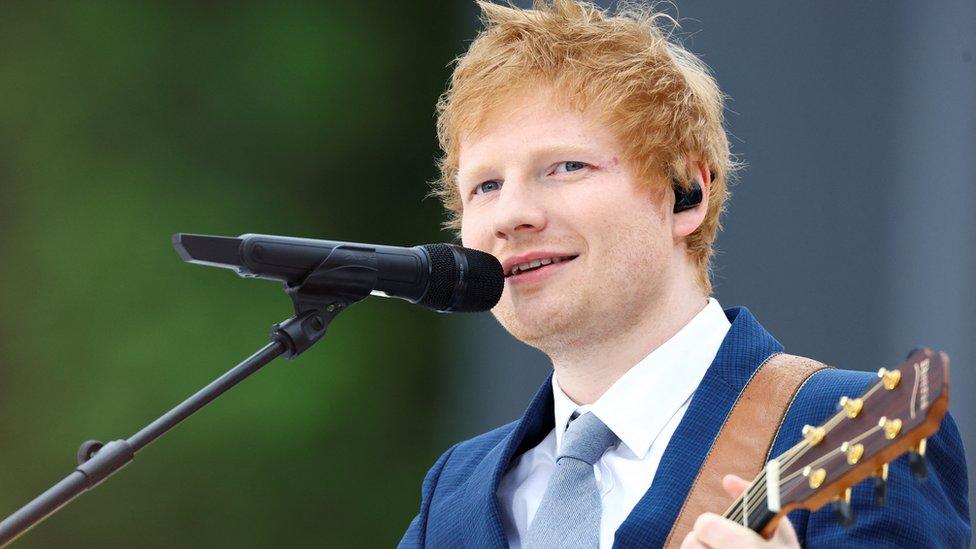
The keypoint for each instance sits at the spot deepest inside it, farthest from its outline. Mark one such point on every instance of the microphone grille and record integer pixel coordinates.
(462, 279)
(443, 277)
(485, 281)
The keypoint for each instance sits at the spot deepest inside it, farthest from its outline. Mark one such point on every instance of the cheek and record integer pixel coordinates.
(473, 233)
(633, 235)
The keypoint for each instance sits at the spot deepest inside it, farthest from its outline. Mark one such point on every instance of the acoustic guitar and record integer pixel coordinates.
(894, 417)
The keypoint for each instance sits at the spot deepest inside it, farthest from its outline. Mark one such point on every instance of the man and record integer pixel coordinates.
(587, 152)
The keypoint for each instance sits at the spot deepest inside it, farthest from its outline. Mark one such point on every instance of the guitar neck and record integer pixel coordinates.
(751, 509)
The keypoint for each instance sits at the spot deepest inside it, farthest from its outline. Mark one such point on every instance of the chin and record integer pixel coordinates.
(539, 326)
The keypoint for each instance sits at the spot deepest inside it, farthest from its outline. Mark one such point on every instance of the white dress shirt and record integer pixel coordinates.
(643, 408)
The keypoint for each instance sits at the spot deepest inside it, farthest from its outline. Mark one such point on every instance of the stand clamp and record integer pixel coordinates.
(341, 279)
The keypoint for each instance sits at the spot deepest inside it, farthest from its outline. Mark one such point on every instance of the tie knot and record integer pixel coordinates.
(586, 439)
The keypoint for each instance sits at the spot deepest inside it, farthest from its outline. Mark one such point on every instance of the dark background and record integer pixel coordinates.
(850, 235)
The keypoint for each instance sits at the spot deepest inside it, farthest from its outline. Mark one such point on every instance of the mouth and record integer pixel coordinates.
(518, 270)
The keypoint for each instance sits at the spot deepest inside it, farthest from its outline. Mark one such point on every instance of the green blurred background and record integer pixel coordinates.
(123, 123)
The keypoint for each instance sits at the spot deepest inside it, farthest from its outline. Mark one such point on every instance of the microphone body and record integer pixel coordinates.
(443, 277)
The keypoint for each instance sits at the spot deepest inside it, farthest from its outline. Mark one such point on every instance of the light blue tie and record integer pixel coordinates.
(569, 515)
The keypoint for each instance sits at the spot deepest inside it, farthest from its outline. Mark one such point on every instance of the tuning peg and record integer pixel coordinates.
(851, 406)
(890, 378)
(881, 486)
(916, 461)
(843, 510)
(814, 435)
(880, 491)
(852, 451)
(917, 464)
(891, 427)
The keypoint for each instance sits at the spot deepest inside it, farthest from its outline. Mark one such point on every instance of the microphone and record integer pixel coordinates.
(443, 277)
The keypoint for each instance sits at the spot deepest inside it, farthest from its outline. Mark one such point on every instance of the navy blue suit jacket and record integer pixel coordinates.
(459, 507)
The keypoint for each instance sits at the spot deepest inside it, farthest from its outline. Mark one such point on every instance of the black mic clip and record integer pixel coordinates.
(343, 278)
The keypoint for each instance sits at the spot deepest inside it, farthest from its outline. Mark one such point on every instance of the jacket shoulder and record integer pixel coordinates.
(447, 477)
(465, 456)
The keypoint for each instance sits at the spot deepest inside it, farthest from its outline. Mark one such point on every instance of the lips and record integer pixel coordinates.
(515, 266)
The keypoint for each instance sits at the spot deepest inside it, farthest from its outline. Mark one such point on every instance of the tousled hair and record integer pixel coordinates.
(657, 98)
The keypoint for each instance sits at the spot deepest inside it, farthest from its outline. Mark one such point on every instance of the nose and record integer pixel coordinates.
(520, 210)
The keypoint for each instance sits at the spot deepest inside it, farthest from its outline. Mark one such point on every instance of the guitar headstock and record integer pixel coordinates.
(893, 417)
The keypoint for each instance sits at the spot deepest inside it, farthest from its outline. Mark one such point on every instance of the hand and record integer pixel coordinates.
(715, 532)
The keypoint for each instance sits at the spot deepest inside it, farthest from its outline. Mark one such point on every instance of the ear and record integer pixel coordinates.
(686, 222)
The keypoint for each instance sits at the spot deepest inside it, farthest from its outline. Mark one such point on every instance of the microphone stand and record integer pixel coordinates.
(317, 299)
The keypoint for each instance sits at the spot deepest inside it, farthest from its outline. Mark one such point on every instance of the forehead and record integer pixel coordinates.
(529, 123)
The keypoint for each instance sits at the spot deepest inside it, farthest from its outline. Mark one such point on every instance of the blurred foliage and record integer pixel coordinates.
(123, 123)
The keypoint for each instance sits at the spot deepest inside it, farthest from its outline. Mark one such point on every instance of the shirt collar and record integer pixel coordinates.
(640, 404)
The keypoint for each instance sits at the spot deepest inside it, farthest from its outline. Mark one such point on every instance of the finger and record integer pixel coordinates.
(734, 486)
(785, 535)
(691, 542)
(712, 530)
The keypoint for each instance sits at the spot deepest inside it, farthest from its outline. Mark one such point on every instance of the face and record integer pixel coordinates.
(586, 251)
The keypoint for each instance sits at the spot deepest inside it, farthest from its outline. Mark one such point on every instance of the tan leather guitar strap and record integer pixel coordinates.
(742, 446)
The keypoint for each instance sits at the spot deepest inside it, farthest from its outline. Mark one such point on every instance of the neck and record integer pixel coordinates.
(596, 360)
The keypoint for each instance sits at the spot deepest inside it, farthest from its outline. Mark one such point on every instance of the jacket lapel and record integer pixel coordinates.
(479, 516)
(744, 348)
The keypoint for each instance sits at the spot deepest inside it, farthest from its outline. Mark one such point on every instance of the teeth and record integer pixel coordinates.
(521, 268)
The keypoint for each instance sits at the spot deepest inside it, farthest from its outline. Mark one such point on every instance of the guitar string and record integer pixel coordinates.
(786, 459)
(758, 499)
(756, 493)
(759, 496)
(828, 426)
(734, 512)
(817, 461)
(757, 487)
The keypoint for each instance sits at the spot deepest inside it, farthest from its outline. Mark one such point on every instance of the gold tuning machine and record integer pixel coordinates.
(814, 435)
(852, 406)
(843, 510)
(916, 461)
(852, 451)
(889, 378)
(920, 447)
(891, 427)
(815, 476)
(881, 485)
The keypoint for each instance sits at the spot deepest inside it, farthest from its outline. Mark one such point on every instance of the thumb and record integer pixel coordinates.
(734, 486)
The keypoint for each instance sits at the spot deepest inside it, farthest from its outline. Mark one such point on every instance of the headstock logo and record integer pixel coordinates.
(920, 392)
(924, 382)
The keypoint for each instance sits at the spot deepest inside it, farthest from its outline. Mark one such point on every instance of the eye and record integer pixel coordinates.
(569, 166)
(487, 187)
